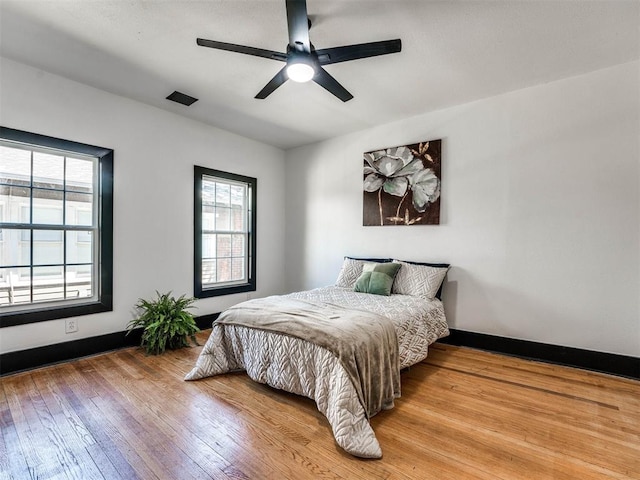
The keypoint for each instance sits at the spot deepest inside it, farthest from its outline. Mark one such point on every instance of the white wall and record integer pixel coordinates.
(154, 154)
(540, 211)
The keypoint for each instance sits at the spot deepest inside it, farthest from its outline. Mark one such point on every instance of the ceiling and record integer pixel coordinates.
(453, 52)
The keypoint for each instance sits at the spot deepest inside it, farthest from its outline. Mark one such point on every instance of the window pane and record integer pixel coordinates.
(47, 207)
(79, 175)
(224, 246)
(208, 218)
(79, 250)
(238, 220)
(48, 283)
(208, 192)
(48, 170)
(14, 204)
(47, 247)
(223, 219)
(85, 236)
(222, 194)
(15, 166)
(237, 196)
(237, 270)
(209, 271)
(14, 286)
(79, 209)
(237, 247)
(15, 247)
(224, 269)
(209, 246)
(79, 281)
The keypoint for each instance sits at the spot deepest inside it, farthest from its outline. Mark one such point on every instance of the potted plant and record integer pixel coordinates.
(166, 323)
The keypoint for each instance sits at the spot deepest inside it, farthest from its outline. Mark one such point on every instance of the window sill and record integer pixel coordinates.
(219, 291)
(11, 319)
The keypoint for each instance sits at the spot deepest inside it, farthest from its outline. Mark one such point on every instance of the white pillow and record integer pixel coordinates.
(418, 280)
(352, 269)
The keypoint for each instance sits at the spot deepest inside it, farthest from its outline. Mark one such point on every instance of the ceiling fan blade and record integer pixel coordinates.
(330, 84)
(274, 83)
(298, 25)
(327, 56)
(232, 47)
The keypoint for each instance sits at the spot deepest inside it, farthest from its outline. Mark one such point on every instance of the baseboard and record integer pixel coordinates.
(13, 362)
(574, 357)
(610, 363)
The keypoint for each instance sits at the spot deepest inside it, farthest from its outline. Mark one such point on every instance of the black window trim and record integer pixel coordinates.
(105, 212)
(250, 286)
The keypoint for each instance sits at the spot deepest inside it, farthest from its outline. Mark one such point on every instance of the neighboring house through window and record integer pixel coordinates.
(225, 233)
(56, 222)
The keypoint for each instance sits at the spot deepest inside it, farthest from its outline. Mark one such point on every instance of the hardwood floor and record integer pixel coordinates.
(464, 414)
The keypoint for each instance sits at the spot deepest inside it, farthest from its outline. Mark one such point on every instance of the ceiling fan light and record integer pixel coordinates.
(300, 72)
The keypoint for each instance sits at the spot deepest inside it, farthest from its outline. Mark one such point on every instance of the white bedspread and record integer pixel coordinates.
(299, 367)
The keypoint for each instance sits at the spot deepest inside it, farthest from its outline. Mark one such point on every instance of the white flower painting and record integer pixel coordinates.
(402, 185)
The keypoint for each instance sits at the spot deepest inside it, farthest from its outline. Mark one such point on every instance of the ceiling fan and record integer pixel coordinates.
(303, 61)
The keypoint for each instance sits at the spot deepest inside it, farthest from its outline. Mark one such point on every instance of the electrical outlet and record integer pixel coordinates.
(70, 325)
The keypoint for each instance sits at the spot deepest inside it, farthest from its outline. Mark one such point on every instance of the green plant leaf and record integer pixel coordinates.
(166, 322)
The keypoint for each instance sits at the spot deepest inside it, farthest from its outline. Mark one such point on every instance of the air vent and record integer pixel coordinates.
(182, 98)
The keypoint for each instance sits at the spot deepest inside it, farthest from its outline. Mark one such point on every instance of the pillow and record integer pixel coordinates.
(436, 265)
(352, 268)
(420, 279)
(377, 278)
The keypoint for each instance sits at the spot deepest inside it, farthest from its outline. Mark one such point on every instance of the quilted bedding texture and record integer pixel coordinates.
(299, 367)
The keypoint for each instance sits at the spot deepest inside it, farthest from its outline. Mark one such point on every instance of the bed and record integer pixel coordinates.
(352, 373)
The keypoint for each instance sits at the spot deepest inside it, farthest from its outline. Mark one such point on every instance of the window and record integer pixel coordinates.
(225, 233)
(56, 224)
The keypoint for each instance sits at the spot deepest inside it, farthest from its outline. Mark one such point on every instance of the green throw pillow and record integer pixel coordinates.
(377, 278)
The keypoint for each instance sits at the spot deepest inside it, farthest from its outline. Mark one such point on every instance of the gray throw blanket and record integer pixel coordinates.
(365, 343)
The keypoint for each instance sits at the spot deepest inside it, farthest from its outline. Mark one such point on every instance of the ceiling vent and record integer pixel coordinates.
(182, 98)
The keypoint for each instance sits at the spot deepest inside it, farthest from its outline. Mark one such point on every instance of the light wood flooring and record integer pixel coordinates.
(464, 414)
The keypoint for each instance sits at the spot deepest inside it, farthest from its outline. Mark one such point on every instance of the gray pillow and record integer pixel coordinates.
(419, 280)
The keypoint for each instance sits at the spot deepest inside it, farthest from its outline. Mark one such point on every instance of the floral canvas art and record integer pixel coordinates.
(402, 185)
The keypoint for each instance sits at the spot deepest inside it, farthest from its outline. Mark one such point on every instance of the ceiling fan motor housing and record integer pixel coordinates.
(301, 67)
